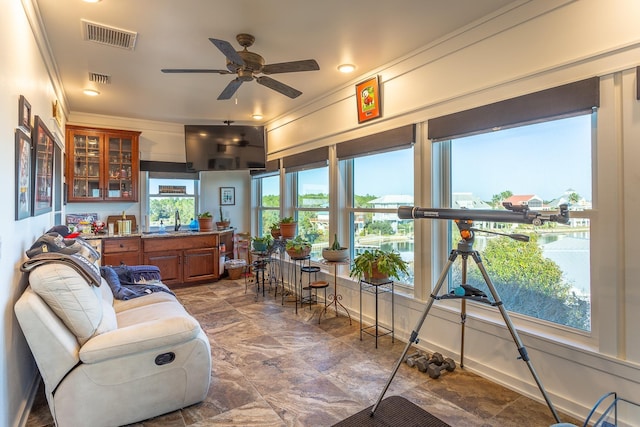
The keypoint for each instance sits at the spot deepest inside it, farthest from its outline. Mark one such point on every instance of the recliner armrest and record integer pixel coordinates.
(140, 337)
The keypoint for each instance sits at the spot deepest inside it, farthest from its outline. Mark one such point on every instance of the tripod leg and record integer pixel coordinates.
(514, 334)
(414, 334)
(463, 309)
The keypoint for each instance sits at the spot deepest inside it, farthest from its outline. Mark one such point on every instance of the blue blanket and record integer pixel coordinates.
(123, 281)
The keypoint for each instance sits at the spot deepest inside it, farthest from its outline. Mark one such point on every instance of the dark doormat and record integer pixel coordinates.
(394, 411)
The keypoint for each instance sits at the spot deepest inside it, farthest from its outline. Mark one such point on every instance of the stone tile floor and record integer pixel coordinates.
(272, 367)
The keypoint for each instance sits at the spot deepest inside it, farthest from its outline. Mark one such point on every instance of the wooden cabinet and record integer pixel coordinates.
(184, 259)
(102, 165)
(121, 250)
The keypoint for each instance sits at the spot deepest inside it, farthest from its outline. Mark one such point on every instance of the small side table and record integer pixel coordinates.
(335, 298)
(377, 287)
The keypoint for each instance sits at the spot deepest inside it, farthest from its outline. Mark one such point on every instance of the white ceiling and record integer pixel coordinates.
(175, 34)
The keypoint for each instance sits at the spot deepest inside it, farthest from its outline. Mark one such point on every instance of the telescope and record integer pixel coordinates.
(464, 219)
(516, 214)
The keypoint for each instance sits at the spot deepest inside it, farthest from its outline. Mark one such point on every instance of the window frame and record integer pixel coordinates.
(441, 197)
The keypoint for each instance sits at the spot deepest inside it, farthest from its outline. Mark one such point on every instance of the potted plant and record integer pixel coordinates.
(298, 247)
(224, 222)
(275, 230)
(288, 227)
(378, 264)
(261, 244)
(205, 221)
(335, 252)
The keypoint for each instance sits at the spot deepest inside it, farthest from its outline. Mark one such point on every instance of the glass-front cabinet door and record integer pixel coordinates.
(102, 165)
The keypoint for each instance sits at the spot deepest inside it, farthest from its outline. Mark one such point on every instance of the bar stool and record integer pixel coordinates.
(308, 269)
(314, 286)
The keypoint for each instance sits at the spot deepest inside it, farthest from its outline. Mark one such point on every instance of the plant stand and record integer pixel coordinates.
(377, 287)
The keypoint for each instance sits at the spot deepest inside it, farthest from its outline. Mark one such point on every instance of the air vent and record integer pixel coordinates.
(108, 35)
(104, 79)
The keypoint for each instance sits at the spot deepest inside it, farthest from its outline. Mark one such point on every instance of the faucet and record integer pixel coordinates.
(177, 221)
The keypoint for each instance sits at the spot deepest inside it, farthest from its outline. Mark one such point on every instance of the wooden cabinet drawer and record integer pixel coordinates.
(116, 259)
(155, 244)
(124, 244)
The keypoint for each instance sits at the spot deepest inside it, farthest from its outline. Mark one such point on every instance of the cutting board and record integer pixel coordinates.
(113, 219)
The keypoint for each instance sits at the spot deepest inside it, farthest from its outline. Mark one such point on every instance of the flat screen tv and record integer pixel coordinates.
(224, 147)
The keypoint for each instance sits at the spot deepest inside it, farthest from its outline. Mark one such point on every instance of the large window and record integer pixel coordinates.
(312, 204)
(539, 166)
(381, 183)
(269, 202)
(166, 196)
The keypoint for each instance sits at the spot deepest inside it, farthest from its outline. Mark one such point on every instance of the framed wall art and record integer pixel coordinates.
(24, 114)
(227, 196)
(23, 175)
(368, 99)
(42, 167)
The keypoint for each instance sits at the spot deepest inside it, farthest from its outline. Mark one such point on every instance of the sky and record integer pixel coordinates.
(544, 159)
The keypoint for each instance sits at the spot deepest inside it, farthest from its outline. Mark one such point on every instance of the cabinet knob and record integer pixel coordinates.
(121, 245)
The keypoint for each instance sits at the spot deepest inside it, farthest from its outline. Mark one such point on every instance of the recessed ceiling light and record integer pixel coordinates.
(346, 68)
(91, 1)
(91, 92)
(257, 116)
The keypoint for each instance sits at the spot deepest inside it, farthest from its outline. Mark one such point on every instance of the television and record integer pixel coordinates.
(224, 147)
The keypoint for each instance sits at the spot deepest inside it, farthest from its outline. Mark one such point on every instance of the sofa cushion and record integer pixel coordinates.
(109, 320)
(71, 298)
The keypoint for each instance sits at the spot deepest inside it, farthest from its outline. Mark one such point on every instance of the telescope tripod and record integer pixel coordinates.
(465, 250)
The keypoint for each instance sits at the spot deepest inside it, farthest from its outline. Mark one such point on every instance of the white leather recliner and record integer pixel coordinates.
(107, 362)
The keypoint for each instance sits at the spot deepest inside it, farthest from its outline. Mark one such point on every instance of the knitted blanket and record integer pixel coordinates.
(134, 281)
(86, 268)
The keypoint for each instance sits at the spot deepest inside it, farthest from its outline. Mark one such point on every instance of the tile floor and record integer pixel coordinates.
(272, 367)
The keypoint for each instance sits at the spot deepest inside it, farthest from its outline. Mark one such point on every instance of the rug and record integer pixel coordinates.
(394, 411)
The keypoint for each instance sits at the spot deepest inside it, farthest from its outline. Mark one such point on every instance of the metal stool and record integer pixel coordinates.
(314, 286)
(309, 269)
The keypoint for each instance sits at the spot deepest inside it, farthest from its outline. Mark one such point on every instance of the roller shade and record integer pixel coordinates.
(167, 170)
(311, 159)
(393, 139)
(272, 167)
(561, 101)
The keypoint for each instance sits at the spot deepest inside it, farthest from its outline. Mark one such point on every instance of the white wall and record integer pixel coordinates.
(534, 46)
(22, 73)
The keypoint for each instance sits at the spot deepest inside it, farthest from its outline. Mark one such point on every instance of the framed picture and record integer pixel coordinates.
(368, 99)
(23, 175)
(42, 167)
(227, 196)
(24, 114)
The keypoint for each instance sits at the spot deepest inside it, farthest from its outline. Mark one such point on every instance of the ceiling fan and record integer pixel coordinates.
(248, 64)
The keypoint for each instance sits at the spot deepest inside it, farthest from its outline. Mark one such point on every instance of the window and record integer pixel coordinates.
(540, 166)
(164, 204)
(312, 204)
(269, 202)
(381, 183)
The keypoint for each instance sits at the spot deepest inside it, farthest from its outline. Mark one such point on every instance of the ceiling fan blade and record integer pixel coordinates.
(291, 67)
(231, 88)
(228, 51)
(278, 87)
(194, 71)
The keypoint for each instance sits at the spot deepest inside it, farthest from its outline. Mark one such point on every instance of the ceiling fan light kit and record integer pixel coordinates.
(247, 65)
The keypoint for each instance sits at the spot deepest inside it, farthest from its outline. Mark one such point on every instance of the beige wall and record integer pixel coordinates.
(23, 72)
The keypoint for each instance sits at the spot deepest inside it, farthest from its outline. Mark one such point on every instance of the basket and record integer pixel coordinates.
(234, 268)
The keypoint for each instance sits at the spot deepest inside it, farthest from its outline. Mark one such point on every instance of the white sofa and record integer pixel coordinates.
(107, 362)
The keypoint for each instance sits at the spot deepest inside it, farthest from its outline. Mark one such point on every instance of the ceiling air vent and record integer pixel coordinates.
(104, 79)
(108, 35)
